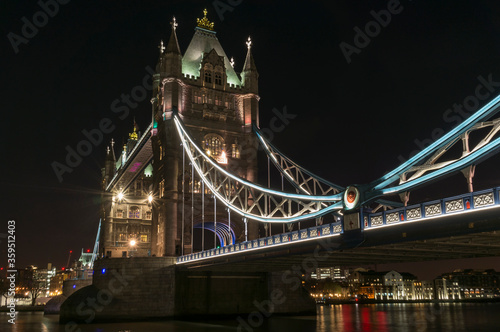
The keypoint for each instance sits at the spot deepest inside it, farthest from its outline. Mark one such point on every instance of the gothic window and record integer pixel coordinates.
(218, 78)
(119, 213)
(144, 238)
(208, 77)
(235, 151)
(162, 188)
(122, 237)
(148, 215)
(218, 100)
(134, 213)
(197, 97)
(214, 144)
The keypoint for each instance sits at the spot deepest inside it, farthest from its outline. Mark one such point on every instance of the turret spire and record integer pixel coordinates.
(249, 75)
(173, 44)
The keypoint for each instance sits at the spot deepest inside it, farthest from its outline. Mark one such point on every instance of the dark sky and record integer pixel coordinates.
(353, 121)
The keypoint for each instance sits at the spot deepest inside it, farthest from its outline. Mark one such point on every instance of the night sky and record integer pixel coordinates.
(353, 121)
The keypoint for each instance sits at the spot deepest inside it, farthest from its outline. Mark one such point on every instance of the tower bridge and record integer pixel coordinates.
(184, 215)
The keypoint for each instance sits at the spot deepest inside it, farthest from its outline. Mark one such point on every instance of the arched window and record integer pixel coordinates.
(214, 144)
(134, 213)
(218, 78)
(208, 77)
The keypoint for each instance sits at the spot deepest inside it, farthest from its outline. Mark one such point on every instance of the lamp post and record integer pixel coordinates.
(132, 244)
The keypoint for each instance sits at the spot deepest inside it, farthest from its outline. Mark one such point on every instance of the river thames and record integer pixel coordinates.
(344, 318)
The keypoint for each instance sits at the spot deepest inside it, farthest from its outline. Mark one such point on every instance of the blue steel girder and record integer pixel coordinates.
(304, 180)
(430, 163)
(380, 186)
(248, 199)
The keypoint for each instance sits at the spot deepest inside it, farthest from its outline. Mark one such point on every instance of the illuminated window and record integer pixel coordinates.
(119, 213)
(144, 238)
(162, 188)
(134, 213)
(148, 215)
(197, 97)
(214, 144)
(122, 237)
(235, 151)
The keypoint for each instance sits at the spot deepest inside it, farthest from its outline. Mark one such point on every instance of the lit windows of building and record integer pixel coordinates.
(144, 238)
(134, 213)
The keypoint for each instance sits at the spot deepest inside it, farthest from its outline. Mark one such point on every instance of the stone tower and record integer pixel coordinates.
(218, 106)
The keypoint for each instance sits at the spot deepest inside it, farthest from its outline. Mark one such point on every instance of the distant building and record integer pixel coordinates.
(469, 283)
(390, 285)
(56, 283)
(334, 273)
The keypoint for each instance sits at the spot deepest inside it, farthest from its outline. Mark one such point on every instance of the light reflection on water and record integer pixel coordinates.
(343, 318)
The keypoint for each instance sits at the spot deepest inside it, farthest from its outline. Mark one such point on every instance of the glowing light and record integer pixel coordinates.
(120, 196)
(222, 159)
(150, 198)
(103, 271)
(132, 242)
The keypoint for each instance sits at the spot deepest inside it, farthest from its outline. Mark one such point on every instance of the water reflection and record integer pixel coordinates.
(408, 317)
(343, 318)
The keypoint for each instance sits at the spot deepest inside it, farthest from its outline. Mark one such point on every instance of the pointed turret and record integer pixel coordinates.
(173, 44)
(109, 165)
(249, 75)
(170, 62)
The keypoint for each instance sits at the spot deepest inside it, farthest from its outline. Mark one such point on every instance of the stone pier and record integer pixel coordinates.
(153, 287)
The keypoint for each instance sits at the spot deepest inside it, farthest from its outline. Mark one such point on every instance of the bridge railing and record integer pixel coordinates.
(433, 209)
(305, 234)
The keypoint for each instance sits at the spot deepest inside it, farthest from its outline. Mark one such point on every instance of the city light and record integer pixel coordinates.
(150, 198)
(132, 243)
(120, 196)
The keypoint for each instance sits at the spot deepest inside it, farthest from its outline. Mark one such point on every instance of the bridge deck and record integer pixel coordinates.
(463, 226)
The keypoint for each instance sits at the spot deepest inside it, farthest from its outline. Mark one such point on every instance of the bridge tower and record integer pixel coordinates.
(218, 106)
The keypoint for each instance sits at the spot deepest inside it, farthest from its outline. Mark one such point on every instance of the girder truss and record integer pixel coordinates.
(429, 164)
(433, 163)
(305, 181)
(248, 199)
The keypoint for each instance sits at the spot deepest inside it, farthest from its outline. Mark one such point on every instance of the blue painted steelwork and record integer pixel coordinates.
(482, 114)
(465, 203)
(479, 200)
(271, 150)
(307, 234)
(222, 231)
(282, 211)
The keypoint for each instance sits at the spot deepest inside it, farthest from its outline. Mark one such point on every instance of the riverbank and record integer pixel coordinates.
(372, 301)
